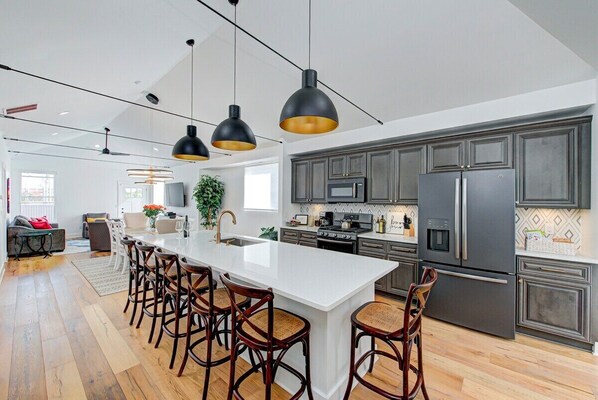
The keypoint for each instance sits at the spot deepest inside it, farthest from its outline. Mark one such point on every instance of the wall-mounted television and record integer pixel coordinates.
(174, 194)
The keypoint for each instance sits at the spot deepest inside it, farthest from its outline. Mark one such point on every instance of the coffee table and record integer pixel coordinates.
(25, 237)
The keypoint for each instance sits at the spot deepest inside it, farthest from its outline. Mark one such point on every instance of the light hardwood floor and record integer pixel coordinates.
(60, 340)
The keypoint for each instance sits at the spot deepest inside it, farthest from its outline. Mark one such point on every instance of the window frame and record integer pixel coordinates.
(32, 171)
(277, 186)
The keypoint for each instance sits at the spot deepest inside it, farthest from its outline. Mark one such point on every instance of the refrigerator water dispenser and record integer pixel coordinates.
(438, 234)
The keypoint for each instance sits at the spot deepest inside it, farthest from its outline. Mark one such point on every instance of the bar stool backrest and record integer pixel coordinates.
(196, 275)
(145, 252)
(263, 296)
(416, 302)
(171, 269)
(129, 245)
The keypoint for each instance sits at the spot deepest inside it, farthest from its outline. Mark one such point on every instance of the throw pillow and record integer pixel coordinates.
(40, 223)
(22, 221)
(90, 220)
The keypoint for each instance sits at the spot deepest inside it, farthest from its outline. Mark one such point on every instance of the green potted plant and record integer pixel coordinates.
(208, 195)
(269, 233)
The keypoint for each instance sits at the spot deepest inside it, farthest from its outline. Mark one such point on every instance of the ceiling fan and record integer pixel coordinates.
(106, 150)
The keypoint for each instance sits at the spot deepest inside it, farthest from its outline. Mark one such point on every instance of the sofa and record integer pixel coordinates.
(21, 224)
(85, 230)
(99, 236)
(135, 221)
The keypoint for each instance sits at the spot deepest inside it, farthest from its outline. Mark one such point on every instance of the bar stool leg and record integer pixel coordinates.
(270, 359)
(162, 319)
(187, 339)
(307, 368)
(208, 358)
(233, 363)
(155, 312)
(176, 330)
(143, 301)
(373, 356)
(129, 292)
(351, 364)
(406, 367)
(136, 278)
(420, 365)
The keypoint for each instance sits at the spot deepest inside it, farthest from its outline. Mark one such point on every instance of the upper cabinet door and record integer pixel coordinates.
(319, 175)
(410, 162)
(547, 167)
(490, 152)
(356, 165)
(300, 188)
(380, 183)
(446, 156)
(336, 167)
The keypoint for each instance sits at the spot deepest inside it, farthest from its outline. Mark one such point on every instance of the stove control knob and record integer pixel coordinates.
(347, 237)
(332, 235)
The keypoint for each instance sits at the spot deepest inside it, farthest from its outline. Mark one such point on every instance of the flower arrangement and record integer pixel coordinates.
(151, 211)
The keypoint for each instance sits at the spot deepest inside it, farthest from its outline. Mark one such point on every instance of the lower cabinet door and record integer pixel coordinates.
(403, 276)
(554, 306)
(382, 283)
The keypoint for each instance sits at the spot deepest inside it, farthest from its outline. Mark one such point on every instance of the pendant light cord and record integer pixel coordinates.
(235, 60)
(192, 84)
(309, 38)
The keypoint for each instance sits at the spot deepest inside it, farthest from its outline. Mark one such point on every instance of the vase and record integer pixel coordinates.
(151, 223)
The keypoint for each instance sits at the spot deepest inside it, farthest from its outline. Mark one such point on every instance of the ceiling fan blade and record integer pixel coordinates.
(116, 153)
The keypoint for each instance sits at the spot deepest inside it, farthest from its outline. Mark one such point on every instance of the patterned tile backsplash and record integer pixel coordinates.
(567, 223)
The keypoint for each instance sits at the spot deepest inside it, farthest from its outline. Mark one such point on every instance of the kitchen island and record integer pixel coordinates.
(323, 286)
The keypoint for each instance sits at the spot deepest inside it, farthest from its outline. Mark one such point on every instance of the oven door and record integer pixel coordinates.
(346, 191)
(344, 246)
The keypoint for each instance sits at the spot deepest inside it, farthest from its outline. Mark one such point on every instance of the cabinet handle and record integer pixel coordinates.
(468, 166)
(374, 246)
(520, 280)
(462, 166)
(548, 269)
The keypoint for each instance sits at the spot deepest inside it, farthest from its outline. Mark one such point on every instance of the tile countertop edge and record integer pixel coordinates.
(561, 257)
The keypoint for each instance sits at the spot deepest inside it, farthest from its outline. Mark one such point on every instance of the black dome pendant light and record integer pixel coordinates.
(190, 147)
(309, 110)
(233, 133)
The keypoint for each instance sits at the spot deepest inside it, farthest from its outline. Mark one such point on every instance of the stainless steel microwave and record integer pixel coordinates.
(346, 191)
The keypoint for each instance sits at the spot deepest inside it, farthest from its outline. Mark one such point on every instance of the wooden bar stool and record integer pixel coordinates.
(212, 307)
(135, 274)
(266, 330)
(383, 321)
(152, 280)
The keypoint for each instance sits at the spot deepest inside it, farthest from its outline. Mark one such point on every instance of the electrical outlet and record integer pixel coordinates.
(549, 228)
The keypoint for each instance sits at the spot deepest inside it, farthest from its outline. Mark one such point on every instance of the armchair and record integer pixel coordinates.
(85, 230)
(99, 236)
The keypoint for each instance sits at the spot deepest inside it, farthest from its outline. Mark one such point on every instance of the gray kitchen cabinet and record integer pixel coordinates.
(300, 237)
(489, 152)
(448, 155)
(381, 177)
(402, 277)
(289, 236)
(309, 178)
(347, 166)
(410, 162)
(553, 297)
(396, 282)
(549, 165)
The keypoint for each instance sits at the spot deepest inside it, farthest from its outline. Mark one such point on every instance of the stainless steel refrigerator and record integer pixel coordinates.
(467, 232)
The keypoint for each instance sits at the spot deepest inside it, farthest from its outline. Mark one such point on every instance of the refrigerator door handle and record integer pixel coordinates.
(473, 277)
(464, 219)
(458, 218)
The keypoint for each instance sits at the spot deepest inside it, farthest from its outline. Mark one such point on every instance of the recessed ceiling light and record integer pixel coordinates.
(97, 146)
(63, 113)
(54, 133)
(156, 149)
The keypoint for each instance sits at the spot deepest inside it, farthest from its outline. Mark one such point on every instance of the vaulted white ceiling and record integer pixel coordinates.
(393, 58)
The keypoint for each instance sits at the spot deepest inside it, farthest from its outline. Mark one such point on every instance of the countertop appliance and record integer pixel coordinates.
(346, 190)
(334, 237)
(467, 232)
(326, 218)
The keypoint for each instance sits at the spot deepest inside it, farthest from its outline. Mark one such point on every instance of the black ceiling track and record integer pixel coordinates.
(96, 132)
(85, 159)
(285, 58)
(66, 146)
(43, 78)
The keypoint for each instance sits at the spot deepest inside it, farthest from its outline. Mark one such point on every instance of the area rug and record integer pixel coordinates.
(75, 246)
(101, 275)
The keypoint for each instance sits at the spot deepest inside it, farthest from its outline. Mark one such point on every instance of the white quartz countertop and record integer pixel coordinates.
(318, 278)
(388, 237)
(561, 257)
(302, 228)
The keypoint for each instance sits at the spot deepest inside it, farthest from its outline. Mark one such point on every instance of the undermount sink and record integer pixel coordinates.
(238, 242)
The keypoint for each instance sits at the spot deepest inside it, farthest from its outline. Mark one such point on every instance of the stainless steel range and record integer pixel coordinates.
(342, 234)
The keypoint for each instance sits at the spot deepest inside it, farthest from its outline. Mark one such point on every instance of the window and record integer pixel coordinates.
(261, 187)
(37, 195)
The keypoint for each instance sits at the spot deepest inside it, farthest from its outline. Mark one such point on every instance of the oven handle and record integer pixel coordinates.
(335, 241)
(354, 190)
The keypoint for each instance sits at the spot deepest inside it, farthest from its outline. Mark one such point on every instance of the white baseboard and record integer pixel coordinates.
(596, 348)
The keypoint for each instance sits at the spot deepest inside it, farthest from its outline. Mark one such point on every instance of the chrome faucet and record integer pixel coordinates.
(218, 236)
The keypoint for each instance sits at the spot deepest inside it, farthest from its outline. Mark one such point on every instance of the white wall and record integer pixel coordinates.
(5, 168)
(80, 187)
